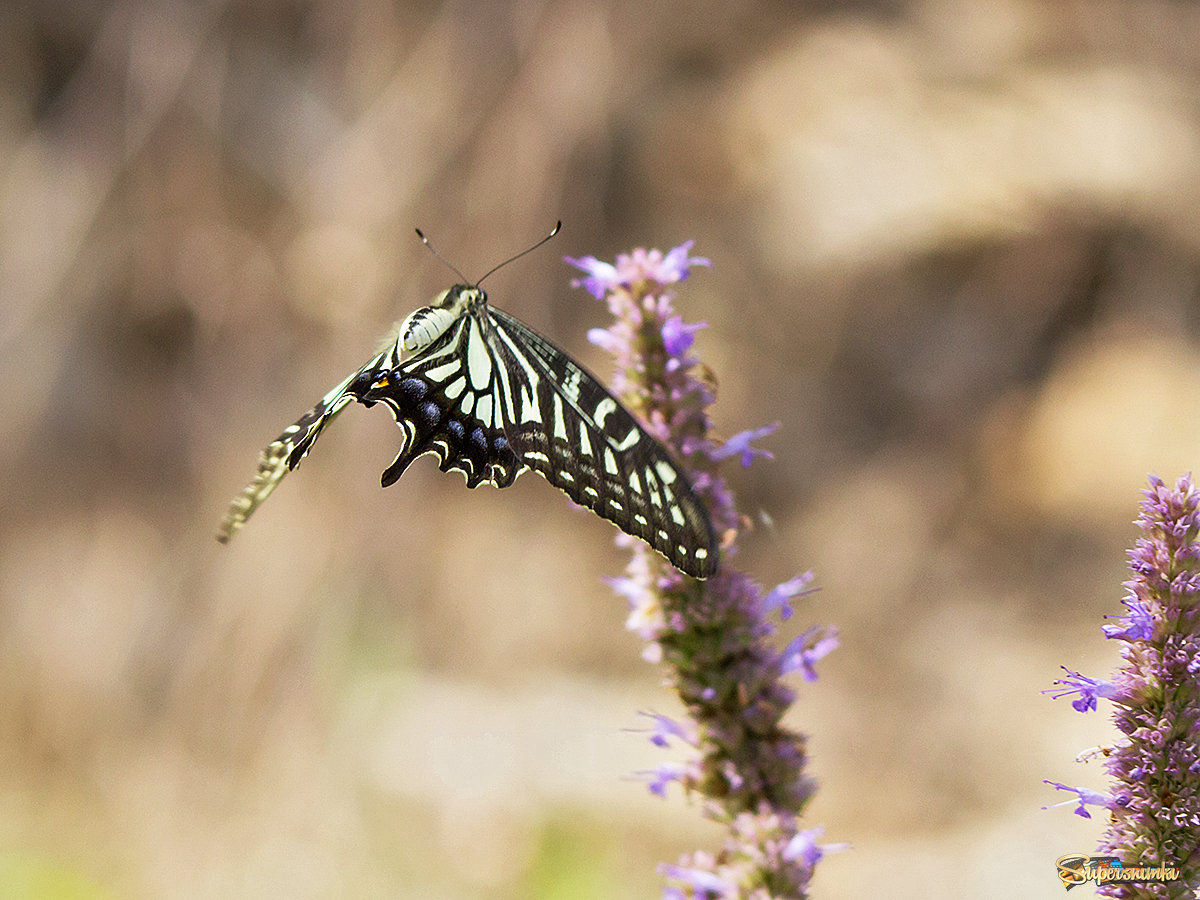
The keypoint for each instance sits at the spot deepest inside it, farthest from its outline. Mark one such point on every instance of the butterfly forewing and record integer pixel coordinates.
(284, 454)
(565, 425)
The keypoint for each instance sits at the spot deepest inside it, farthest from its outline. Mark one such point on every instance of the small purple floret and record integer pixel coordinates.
(781, 596)
(1083, 796)
(739, 445)
(1087, 688)
(803, 652)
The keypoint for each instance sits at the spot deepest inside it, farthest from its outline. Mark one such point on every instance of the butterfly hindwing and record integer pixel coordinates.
(564, 424)
(444, 402)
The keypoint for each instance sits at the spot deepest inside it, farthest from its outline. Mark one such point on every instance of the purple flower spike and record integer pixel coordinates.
(714, 636)
(1154, 797)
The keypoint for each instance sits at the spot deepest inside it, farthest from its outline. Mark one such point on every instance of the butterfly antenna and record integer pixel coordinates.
(424, 240)
(553, 232)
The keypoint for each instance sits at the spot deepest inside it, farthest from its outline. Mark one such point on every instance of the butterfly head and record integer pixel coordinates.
(425, 326)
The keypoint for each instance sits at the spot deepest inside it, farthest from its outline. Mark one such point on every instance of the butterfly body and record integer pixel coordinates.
(492, 398)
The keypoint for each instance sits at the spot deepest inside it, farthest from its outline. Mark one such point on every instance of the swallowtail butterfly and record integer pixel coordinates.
(491, 398)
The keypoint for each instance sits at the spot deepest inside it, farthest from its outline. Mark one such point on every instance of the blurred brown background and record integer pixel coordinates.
(955, 254)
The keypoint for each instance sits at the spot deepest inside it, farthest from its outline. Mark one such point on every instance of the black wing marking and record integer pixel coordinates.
(445, 402)
(285, 452)
(564, 424)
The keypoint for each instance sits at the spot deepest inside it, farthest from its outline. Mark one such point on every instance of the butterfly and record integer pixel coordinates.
(491, 398)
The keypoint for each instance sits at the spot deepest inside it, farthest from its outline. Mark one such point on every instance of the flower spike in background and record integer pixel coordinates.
(1154, 797)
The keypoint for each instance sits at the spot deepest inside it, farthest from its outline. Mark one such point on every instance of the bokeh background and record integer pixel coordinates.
(955, 253)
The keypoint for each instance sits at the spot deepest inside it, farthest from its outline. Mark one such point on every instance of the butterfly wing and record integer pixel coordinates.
(284, 454)
(563, 423)
(445, 402)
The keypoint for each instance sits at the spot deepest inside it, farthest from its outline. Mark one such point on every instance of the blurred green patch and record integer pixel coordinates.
(574, 862)
(24, 877)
